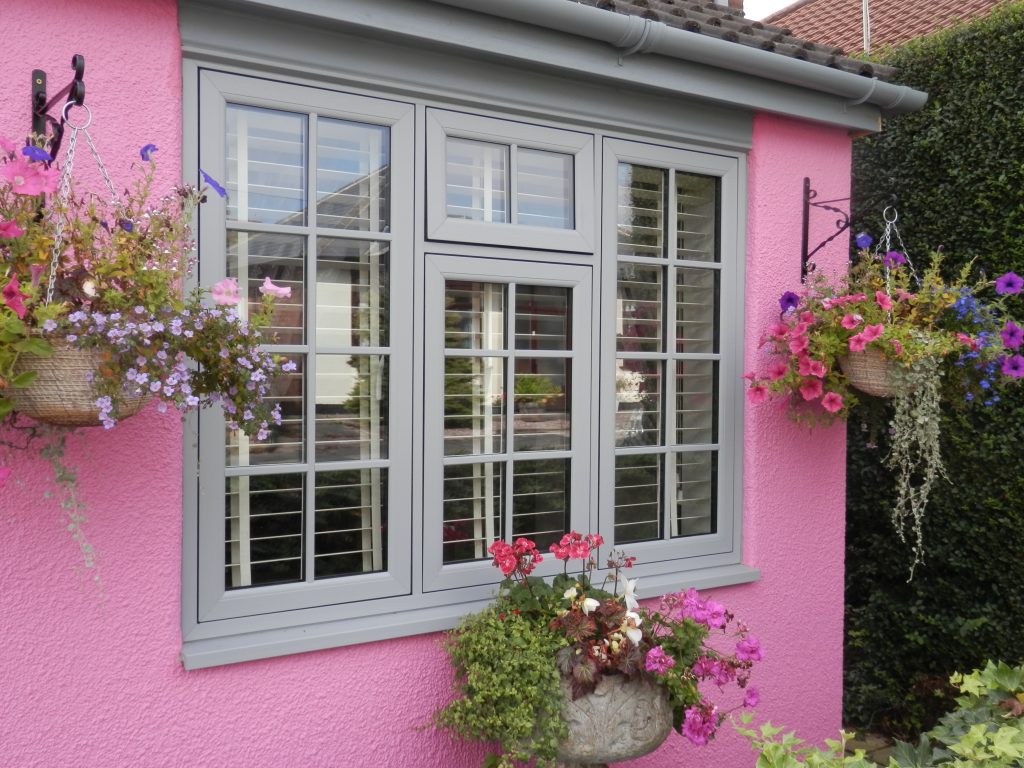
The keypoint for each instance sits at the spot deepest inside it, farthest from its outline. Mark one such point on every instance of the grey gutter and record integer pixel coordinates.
(633, 34)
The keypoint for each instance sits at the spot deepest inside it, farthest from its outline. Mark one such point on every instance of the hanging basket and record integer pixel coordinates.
(871, 372)
(62, 393)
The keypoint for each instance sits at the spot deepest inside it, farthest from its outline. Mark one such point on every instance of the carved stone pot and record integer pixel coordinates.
(620, 720)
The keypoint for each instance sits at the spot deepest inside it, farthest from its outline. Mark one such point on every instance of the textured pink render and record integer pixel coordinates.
(90, 670)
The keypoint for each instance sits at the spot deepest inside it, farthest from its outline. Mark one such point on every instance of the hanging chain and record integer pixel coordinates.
(885, 242)
(60, 211)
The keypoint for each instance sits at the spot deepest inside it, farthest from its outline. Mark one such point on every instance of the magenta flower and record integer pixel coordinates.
(857, 343)
(749, 649)
(28, 179)
(1012, 335)
(1013, 366)
(14, 299)
(832, 402)
(778, 371)
(894, 259)
(277, 291)
(872, 332)
(225, 292)
(1009, 283)
(700, 723)
(9, 229)
(757, 394)
(752, 697)
(810, 389)
(788, 301)
(658, 661)
(883, 300)
(849, 322)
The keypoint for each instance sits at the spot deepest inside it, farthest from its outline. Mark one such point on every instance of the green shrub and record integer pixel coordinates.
(957, 168)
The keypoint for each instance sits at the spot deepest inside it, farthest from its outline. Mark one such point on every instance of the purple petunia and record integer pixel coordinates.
(788, 301)
(863, 240)
(1009, 283)
(146, 152)
(214, 184)
(894, 259)
(1012, 335)
(1013, 366)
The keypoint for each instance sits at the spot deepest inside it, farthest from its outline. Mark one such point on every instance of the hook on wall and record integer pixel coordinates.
(842, 223)
(74, 93)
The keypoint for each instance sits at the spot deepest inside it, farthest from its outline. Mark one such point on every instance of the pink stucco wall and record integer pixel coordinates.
(90, 669)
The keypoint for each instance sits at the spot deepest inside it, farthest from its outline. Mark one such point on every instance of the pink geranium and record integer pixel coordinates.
(832, 402)
(810, 389)
(28, 178)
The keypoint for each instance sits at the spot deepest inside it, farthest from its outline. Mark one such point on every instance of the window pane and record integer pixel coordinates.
(351, 522)
(639, 308)
(472, 507)
(284, 444)
(540, 501)
(263, 530)
(477, 180)
(697, 310)
(544, 189)
(474, 315)
(474, 405)
(638, 402)
(641, 219)
(351, 407)
(696, 402)
(696, 481)
(637, 498)
(542, 404)
(255, 256)
(266, 166)
(542, 317)
(352, 283)
(697, 217)
(352, 175)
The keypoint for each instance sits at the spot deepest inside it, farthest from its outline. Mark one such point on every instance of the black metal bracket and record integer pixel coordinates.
(75, 93)
(842, 223)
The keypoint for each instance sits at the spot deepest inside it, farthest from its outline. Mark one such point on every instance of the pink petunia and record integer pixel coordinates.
(818, 368)
(849, 322)
(807, 317)
(779, 330)
(778, 371)
(7, 146)
(832, 402)
(757, 394)
(902, 295)
(749, 376)
(896, 347)
(798, 344)
(810, 389)
(277, 291)
(10, 229)
(226, 291)
(14, 299)
(883, 300)
(29, 179)
(872, 332)
(857, 343)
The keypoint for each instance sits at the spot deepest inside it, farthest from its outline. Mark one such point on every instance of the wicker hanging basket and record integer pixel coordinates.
(62, 393)
(871, 372)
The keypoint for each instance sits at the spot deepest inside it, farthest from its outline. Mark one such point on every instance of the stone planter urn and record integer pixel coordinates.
(620, 720)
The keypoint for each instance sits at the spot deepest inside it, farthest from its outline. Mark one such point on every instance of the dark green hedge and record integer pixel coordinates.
(957, 168)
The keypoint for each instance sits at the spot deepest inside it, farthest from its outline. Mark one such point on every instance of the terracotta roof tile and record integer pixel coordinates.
(713, 20)
(893, 22)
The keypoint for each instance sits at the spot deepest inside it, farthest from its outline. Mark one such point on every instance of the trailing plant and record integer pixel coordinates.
(512, 658)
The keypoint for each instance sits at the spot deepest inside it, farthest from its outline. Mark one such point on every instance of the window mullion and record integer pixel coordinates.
(513, 184)
(510, 409)
(669, 344)
(309, 322)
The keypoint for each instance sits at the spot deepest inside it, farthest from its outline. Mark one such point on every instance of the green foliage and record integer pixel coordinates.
(517, 702)
(957, 168)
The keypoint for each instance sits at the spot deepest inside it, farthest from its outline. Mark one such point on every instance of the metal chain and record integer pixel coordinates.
(60, 211)
(885, 241)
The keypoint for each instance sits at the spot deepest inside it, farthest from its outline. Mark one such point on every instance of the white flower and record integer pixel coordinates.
(570, 593)
(590, 604)
(628, 587)
(630, 627)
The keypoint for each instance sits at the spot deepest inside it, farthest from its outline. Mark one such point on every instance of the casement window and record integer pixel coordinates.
(500, 328)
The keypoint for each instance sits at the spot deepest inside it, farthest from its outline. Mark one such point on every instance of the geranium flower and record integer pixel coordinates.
(749, 649)
(757, 394)
(872, 332)
(28, 179)
(967, 341)
(14, 299)
(277, 291)
(850, 321)
(1013, 366)
(883, 300)
(788, 301)
(700, 723)
(225, 292)
(752, 697)
(894, 259)
(1012, 335)
(146, 152)
(863, 240)
(214, 184)
(658, 661)
(1008, 284)
(810, 389)
(832, 402)
(9, 229)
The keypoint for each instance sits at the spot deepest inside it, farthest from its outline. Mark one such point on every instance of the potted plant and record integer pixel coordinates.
(93, 321)
(582, 673)
(885, 330)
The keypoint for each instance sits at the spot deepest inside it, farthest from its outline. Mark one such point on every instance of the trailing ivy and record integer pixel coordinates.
(957, 168)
